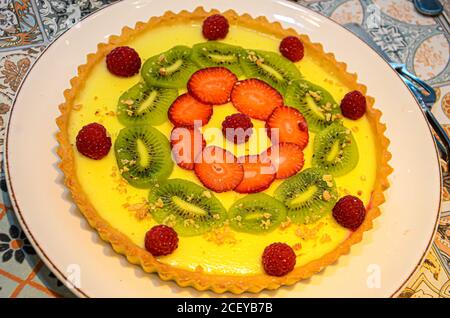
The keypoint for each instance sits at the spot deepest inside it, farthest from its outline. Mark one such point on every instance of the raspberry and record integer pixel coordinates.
(278, 259)
(93, 141)
(292, 48)
(353, 105)
(161, 240)
(231, 125)
(123, 61)
(215, 27)
(349, 212)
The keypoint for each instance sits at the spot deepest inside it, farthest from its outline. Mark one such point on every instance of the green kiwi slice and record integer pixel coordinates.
(143, 104)
(171, 69)
(314, 102)
(335, 150)
(214, 53)
(270, 67)
(143, 155)
(308, 196)
(256, 213)
(187, 207)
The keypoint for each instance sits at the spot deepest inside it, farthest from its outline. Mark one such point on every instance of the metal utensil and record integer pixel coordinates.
(429, 7)
(416, 85)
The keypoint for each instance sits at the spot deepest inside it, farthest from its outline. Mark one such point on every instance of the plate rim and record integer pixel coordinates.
(47, 260)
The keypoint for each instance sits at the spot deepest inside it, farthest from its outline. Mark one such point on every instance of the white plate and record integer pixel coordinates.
(61, 236)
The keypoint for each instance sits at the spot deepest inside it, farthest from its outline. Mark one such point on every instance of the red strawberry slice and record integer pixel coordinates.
(212, 85)
(186, 111)
(218, 169)
(186, 143)
(255, 98)
(290, 125)
(287, 158)
(258, 175)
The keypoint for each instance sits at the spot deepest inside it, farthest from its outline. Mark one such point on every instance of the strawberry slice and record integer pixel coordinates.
(218, 169)
(212, 85)
(290, 124)
(287, 158)
(255, 98)
(186, 143)
(258, 174)
(186, 111)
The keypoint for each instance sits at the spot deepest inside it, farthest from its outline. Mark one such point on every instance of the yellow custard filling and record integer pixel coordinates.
(223, 251)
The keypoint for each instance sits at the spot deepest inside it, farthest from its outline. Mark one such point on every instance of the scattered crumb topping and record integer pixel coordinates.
(315, 95)
(162, 58)
(120, 183)
(139, 209)
(159, 203)
(221, 236)
(328, 178)
(207, 194)
(162, 71)
(344, 190)
(297, 246)
(325, 239)
(326, 195)
(265, 224)
(308, 233)
(199, 269)
(284, 225)
(190, 223)
(128, 102)
(170, 220)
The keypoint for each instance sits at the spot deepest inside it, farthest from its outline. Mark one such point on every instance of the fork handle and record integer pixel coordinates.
(444, 144)
(415, 84)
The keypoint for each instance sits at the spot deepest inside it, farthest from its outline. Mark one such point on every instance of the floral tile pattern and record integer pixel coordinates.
(27, 26)
(19, 24)
(59, 15)
(32, 292)
(7, 286)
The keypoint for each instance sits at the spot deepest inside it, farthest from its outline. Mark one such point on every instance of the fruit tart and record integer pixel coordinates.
(222, 151)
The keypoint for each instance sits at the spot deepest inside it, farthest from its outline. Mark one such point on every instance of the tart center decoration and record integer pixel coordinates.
(233, 145)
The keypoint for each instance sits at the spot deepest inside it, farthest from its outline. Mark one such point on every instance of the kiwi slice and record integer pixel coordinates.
(171, 69)
(335, 150)
(187, 207)
(256, 213)
(315, 103)
(214, 53)
(270, 67)
(308, 196)
(143, 155)
(143, 104)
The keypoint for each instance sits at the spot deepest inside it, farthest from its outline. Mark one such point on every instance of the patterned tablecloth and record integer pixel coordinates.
(28, 26)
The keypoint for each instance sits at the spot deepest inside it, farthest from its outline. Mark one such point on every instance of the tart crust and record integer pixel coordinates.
(203, 281)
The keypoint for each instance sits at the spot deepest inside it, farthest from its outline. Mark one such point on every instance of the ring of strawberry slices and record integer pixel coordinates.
(218, 169)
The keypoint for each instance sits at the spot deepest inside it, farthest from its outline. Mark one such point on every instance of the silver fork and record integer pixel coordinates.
(416, 85)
